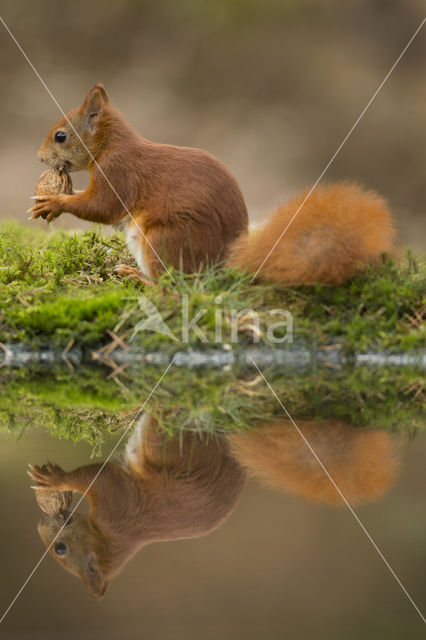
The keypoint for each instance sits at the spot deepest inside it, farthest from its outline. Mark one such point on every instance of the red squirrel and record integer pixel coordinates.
(163, 489)
(172, 488)
(182, 207)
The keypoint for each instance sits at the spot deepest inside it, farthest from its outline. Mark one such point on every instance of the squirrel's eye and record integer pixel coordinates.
(60, 136)
(60, 548)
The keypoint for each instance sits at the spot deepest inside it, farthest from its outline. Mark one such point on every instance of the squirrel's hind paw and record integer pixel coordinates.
(133, 273)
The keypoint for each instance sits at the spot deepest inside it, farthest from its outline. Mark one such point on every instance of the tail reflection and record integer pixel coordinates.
(362, 463)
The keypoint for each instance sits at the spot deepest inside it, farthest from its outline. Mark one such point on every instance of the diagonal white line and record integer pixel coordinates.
(88, 489)
(340, 493)
(84, 145)
(342, 143)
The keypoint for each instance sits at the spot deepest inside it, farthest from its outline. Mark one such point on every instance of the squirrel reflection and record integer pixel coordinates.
(174, 488)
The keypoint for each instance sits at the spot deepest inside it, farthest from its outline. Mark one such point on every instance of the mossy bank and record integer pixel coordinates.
(58, 287)
(84, 404)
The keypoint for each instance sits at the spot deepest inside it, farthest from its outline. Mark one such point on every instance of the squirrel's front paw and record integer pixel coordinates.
(48, 207)
(49, 476)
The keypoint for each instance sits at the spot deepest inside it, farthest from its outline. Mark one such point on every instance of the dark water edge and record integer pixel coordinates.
(295, 357)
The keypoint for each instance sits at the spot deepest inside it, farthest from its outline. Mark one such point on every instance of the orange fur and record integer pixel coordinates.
(187, 210)
(362, 463)
(340, 228)
(167, 489)
(184, 202)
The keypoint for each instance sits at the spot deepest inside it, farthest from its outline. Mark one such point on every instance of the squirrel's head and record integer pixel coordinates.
(75, 549)
(71, 142)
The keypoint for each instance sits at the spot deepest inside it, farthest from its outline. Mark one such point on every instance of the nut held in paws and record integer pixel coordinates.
(54, 182)
(52, 501)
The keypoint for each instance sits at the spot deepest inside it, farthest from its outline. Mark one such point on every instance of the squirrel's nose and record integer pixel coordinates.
(40, 155)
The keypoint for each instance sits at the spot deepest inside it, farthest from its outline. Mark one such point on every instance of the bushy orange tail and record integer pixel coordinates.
(362, 463)
(340, 228)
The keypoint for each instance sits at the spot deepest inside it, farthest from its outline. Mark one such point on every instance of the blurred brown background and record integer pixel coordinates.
(279, 568)
(269, 86)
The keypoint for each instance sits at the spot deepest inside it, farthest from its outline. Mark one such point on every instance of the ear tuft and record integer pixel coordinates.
(100, 87)
(92, 577)
(93, 105)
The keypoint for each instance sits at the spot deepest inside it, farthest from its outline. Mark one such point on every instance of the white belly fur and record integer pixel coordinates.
(134, 443)
(133, 241)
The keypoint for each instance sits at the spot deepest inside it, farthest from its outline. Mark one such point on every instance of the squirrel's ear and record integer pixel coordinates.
(93, 105)
(100, 87)
(93, 578)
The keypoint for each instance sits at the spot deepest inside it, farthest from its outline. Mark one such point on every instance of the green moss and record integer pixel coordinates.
(78, 314)
(376, 310)
(54, 287)
(73, 405)
(365, 397)
(85, 405)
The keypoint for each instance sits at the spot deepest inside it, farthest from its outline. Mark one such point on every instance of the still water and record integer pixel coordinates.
(228, 503)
